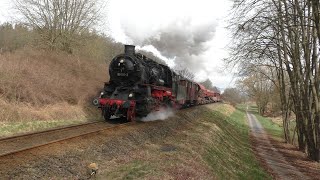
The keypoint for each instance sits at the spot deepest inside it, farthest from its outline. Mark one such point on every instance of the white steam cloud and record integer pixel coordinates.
(186, 34)
(179, 30)
(181, 40)
(162, 114)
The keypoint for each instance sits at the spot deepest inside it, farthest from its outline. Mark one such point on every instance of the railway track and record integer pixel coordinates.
(24, 142)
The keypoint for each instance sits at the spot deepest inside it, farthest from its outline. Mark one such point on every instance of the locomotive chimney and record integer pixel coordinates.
(129, 49)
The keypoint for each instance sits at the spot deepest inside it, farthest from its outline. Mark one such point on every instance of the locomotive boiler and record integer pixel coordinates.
(138, 85)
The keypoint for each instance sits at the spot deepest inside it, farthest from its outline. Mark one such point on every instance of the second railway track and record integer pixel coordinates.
(24, 142)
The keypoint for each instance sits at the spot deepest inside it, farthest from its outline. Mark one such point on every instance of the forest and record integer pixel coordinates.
(275, 49)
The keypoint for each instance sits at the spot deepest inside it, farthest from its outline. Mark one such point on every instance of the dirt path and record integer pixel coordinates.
(273, 160)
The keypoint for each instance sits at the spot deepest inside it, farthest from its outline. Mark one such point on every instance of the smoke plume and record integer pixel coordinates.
(182, 41)
(162, 114)
(185, 34)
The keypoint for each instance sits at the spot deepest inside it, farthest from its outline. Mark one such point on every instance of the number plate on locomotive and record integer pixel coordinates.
(122, 74)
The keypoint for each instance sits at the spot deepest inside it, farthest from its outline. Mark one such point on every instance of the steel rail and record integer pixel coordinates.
(58, 140)
(48, 130)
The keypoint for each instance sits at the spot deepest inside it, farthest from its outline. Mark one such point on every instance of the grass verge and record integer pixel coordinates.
(204, 143)
(271, 127)
(231, 155)
(14, 128)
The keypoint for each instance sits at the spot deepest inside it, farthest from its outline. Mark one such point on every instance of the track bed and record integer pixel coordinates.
(15, 144)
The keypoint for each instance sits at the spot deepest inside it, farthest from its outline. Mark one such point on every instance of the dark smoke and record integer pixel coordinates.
(183, 41)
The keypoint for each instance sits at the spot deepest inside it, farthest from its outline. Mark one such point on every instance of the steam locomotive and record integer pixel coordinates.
(138, 85)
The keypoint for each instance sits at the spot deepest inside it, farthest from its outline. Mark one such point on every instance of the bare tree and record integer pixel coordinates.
(59, 22)
(283, 36)
(207, 83)
(258, 88)
(13, 37)
(233, 96)
(186, 73)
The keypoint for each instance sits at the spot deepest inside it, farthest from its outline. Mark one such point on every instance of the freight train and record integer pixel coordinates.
(138, 85)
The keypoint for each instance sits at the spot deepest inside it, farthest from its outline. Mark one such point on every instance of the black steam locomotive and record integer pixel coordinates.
(138, 85)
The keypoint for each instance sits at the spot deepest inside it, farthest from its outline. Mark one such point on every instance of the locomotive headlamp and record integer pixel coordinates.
(130, 95)
(121, 62)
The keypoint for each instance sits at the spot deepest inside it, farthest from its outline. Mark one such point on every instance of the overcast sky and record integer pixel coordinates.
(187, 34)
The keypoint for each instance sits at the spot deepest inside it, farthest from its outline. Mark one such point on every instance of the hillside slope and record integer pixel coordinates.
(45, 85)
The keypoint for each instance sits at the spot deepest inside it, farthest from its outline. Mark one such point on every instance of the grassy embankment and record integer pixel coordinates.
(41, 89)
(233, 156)
(215, 143)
